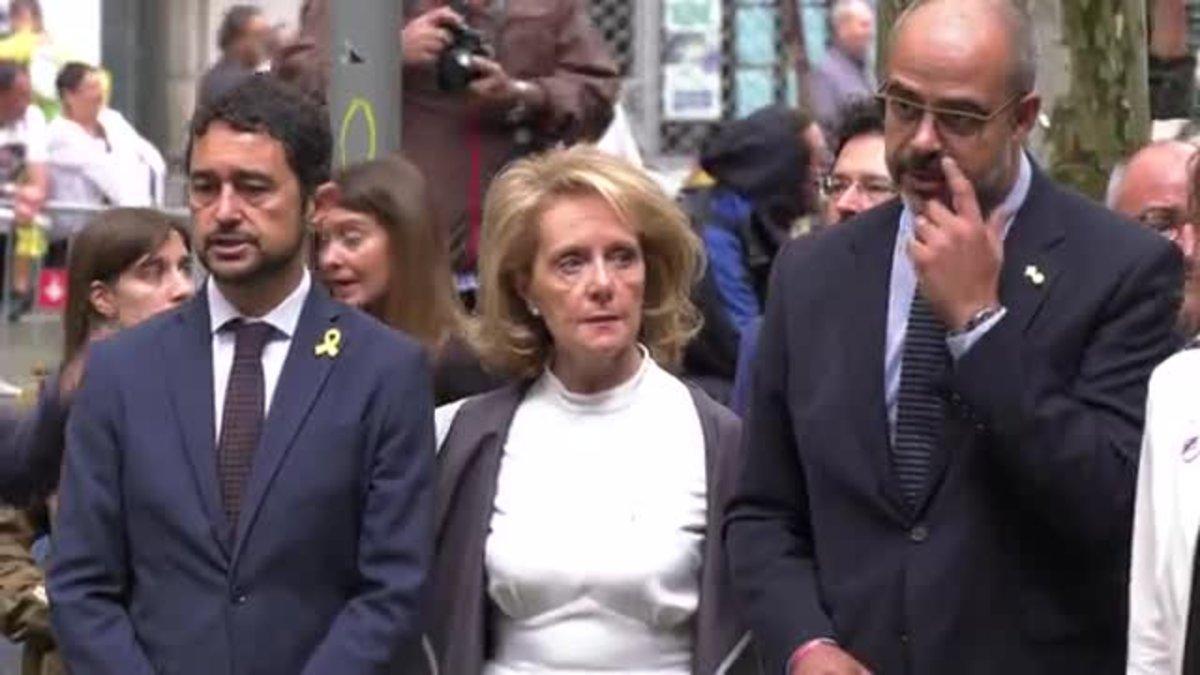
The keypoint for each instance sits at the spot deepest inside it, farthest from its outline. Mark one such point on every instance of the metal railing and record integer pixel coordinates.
(45, 219)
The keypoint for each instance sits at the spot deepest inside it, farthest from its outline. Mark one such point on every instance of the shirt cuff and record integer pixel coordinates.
(959, 345)
(804, 649)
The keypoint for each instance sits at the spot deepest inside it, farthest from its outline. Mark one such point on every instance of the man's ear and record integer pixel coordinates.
(1028, 110)
(100, 296)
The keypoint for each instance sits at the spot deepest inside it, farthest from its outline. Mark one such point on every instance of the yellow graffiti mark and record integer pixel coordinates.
(358, 104)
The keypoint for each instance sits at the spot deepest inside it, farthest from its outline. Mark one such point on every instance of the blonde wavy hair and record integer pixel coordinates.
(507, 336)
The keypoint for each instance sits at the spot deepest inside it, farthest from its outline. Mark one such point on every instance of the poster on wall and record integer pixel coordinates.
(692, 61)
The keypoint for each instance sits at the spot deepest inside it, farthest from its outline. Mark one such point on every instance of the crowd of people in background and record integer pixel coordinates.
(871, 394)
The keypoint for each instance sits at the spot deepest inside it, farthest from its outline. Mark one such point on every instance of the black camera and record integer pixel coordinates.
(454, 71)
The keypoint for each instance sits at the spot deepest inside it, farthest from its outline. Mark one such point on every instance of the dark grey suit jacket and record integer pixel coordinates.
(1016, 559)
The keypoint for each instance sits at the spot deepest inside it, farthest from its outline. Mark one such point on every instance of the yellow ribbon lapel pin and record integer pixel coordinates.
(331, 344)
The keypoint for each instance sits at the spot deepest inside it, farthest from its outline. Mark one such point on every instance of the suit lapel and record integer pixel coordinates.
(1030, 267)
(187, 346)
(873, 246)
(304, 374)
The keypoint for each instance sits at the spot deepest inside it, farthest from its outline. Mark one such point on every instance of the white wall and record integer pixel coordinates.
(75, 25)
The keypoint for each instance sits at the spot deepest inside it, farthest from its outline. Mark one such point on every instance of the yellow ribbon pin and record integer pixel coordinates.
(331, 344)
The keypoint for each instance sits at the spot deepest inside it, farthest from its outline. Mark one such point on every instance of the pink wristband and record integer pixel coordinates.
(805, 649)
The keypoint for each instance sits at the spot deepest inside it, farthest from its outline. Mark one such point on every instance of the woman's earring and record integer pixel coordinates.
(532, 309)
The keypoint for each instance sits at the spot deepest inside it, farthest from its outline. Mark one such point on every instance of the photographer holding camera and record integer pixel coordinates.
(485, 82)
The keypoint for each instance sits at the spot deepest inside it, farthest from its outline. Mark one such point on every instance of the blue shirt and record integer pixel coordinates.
(904, 284)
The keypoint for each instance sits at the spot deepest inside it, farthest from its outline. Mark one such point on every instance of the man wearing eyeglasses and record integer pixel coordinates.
(943, 433)
(1152, 188)
(859, 180)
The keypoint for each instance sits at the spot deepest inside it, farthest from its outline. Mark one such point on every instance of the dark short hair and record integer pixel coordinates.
(70, 77)
(233, 24)
(263, 104)
(9, 72)
(863, 117)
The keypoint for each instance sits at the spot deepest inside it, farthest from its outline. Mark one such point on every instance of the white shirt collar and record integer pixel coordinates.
(284, 317)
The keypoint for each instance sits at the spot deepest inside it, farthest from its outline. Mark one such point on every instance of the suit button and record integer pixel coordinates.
(238, 596)
(918, 534)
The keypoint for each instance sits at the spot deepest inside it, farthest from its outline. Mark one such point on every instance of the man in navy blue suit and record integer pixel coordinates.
(247, 481)
(946, 414)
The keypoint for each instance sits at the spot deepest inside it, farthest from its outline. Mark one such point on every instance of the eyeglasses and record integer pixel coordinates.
(1163, 220)
(875, 188)
(961, 123)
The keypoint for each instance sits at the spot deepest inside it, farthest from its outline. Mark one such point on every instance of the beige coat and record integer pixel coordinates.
(23, 607)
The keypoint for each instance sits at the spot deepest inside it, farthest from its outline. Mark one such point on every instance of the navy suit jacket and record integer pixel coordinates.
(332, 548)
(1016, 559)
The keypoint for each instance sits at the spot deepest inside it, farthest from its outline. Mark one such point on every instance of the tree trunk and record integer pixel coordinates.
(1093, 81)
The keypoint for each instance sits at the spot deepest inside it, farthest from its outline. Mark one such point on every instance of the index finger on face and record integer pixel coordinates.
(962, 193)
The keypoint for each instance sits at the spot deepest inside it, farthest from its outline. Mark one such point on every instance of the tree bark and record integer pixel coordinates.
(1093, 80)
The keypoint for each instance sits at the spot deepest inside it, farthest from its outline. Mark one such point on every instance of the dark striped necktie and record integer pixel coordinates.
(919, 411)
(242, 419)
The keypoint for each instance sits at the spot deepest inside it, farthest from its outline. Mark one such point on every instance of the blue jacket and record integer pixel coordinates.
(330, 557)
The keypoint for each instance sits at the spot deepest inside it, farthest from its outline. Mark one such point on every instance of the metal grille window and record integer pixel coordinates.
(615, 21)
(753, 71)
(745, 64)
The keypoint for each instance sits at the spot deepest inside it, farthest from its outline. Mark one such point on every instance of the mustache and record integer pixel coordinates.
(232, 237)
(920, 163)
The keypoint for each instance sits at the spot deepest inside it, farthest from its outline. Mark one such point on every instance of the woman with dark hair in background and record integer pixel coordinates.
(125, 267)
(378, 250)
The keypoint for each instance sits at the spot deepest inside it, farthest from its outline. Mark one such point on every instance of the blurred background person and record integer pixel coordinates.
(377, 250)
(1171, 62)
(583, 530)
(31, 45)
(125, 267)
(245, 39)
(859, 179)
(1153, 188)
(96, 157)
(845, 74)
(542, 76)
(1164, 583)
(23, 177)
(758, 176)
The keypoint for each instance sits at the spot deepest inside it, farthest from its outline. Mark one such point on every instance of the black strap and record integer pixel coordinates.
(1191, 647)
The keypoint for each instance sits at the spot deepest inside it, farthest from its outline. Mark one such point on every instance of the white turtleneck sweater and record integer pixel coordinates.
(594, 555)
